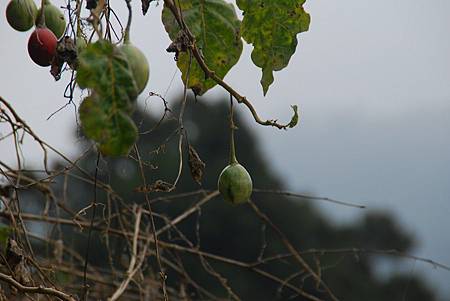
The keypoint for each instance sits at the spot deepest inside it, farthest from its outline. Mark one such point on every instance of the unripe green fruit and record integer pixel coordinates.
(81, 44)
(21, 14)
(54, 19)
(138, 64)
(235, 184)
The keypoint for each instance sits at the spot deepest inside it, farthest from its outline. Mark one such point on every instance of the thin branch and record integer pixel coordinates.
(94, 205)
(133, 267)
(36, 289)
(309, 197)
(155, 236)
(292, 249)
(188, 212)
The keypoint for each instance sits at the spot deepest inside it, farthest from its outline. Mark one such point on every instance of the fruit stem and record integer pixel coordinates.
(41, 16)
(233, 159)
(78, 14)
(126, 38)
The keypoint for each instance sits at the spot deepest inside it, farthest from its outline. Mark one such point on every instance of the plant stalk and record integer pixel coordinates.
(233, 159)
(41, 16)
(126, 38)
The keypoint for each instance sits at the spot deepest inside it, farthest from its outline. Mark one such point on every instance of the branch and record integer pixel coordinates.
(36, 289)
(133, 267)
(293, 251)
(309, 197)
(162, 275)
(22, 124)
(211, 74)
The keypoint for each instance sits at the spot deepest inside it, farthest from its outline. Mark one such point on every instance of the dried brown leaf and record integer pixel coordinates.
(16, 258)
(145, 6)
(158, 186)
(66, 52)
(196, 165)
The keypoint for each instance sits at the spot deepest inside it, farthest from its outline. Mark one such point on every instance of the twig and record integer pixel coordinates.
(94, 204)
(36, 289)
(292, 249)
(181, 127)
(309, 197)
(188, 212)
(132, 268)
(155, 236)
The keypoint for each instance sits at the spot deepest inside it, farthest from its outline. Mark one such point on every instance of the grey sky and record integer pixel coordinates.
(372, 80)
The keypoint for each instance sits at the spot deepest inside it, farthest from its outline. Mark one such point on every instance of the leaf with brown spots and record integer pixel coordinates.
(216, 28)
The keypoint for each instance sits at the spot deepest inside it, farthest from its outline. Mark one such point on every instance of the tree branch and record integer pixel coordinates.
(211, 74)
(35, 289)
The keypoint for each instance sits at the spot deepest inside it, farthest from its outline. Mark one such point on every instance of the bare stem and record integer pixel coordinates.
(126, 38)
(155, 236)
(41, 16)
(233, 159)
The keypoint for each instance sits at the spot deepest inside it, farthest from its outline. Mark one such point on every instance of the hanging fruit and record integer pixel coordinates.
(138, 64)
(21, 14)
(54, 19)
(136, 59)
(42, 42)
(42, 46)
(81, 43)
(235, 183)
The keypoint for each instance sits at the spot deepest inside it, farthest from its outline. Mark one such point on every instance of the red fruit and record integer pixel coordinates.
(42, 46)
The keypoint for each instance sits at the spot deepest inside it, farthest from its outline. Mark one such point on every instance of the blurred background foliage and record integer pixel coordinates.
(235, 232)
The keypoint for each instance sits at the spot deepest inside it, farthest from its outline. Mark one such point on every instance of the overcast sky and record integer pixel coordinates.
(372, 80)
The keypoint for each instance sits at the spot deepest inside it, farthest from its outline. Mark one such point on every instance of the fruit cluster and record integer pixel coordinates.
(50, 24)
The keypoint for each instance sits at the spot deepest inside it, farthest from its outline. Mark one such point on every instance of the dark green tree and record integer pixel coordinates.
(236, 233)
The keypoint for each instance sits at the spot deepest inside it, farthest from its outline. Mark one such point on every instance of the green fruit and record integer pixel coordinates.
(138, 64)
(54, 19)
(235, 184)
(81, 44)
(21, 14)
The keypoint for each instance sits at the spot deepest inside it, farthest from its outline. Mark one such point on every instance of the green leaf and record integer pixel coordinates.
(105, 69)
(217, 32)
(294, 119)
(272, 27)
(113, 130)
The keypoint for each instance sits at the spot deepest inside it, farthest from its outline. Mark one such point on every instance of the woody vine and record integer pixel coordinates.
(89, 40)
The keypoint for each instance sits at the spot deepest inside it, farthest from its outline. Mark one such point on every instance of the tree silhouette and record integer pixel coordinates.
(343, 256)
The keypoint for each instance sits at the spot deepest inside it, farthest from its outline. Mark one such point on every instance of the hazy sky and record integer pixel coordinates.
(372, 80)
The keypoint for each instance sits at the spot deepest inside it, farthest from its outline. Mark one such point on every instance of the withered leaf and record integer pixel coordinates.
(158, 186)
(196, 165)
(161, 185)
(145, 6)
(16, 258)
(66, 52)
(180, 44)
